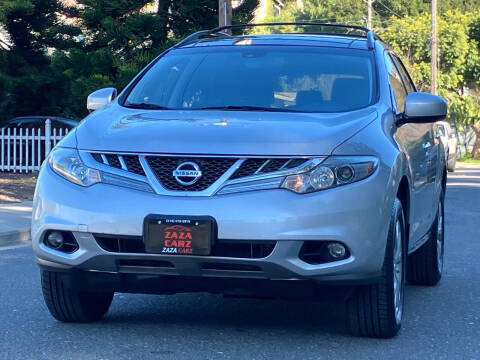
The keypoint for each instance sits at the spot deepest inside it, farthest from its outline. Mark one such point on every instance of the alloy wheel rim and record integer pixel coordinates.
(398, 287)
(440, 235)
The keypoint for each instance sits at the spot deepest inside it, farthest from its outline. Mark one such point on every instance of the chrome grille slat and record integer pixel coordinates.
(104, 159)
(122, 163)
(259, 170)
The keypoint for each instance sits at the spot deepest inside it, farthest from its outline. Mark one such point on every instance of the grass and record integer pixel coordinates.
(467, 158)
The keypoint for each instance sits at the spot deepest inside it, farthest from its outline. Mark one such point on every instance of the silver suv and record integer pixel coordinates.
(286, 165)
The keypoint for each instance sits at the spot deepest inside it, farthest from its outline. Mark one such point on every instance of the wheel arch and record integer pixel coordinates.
(403, 194)
(444, 181)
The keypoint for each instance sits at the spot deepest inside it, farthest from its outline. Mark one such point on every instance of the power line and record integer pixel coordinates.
(386, 7)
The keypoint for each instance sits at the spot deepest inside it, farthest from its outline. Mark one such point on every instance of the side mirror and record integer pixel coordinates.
(423, 107)
(100, 98)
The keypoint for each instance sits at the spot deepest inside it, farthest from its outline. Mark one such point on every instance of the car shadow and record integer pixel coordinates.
(211, 313)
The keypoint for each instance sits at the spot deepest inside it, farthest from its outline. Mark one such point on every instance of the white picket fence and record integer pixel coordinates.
(23, 150)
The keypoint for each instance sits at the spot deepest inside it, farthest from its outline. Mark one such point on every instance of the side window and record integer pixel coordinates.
(407, 80)
(396, 83)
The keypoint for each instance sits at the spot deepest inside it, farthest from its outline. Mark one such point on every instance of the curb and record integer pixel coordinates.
(14, 237)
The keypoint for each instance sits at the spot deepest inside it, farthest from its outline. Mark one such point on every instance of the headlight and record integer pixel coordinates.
(333, 172)
(67, 163)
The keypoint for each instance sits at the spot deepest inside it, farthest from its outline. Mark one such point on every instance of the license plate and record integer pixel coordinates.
(178, 235)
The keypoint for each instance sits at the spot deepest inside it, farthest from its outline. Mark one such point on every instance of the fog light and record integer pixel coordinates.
(55, 240)
(336, 250)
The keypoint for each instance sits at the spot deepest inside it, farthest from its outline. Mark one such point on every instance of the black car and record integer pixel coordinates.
(38, 122)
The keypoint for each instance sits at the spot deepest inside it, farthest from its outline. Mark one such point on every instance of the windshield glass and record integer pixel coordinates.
(269, 78)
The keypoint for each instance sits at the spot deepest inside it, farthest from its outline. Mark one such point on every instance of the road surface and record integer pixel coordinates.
(440, 323)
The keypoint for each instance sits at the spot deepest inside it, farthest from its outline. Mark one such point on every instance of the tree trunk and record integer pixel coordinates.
(476, 145)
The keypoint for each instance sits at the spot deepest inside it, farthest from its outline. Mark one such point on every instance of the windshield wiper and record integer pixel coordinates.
(146, 106)
(245, 108)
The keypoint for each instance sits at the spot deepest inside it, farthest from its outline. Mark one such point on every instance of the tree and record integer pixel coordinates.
(53, 65)
(121, 36)
(27, 85)
(459, 60)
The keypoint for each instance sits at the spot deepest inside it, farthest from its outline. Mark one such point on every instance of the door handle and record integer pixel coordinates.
(427, 145)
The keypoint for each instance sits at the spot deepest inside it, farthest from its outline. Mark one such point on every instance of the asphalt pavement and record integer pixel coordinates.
(15, 219)
(441, 322)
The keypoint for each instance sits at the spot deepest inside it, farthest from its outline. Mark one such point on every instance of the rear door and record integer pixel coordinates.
(416, 140)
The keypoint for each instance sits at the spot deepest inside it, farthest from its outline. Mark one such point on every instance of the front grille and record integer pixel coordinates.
(262, 166)
(222, 248)
(212, 169)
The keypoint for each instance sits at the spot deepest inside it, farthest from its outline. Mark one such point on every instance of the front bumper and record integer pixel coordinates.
(356, 215)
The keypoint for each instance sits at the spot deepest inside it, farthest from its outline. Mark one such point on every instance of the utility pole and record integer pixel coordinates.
(369, 13)
(224, 13)
(434, 59)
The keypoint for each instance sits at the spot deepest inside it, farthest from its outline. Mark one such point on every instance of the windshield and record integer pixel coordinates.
(268, 78)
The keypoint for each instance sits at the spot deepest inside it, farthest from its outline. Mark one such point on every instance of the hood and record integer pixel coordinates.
(118, 129)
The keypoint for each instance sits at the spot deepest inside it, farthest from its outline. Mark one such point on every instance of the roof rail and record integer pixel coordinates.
(307, 23)
(371, 39)
(219, 31)
(199, 35)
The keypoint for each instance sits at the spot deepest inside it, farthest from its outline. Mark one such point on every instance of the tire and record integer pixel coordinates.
(451, 163)
(425, 265)
(68, 305)
(376, 310)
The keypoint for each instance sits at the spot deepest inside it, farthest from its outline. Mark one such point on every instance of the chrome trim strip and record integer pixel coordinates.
(122, 162)
(266, 184)
(241, 156)
(151, 177)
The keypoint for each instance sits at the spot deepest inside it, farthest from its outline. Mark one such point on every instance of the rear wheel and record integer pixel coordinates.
(377, 310)
(69, 305)
(425, 265)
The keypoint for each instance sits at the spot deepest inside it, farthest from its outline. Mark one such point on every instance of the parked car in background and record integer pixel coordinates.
(38, 122)
(449, 139)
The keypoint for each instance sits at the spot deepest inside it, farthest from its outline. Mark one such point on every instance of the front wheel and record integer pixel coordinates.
(377, 310)
(69, 305)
